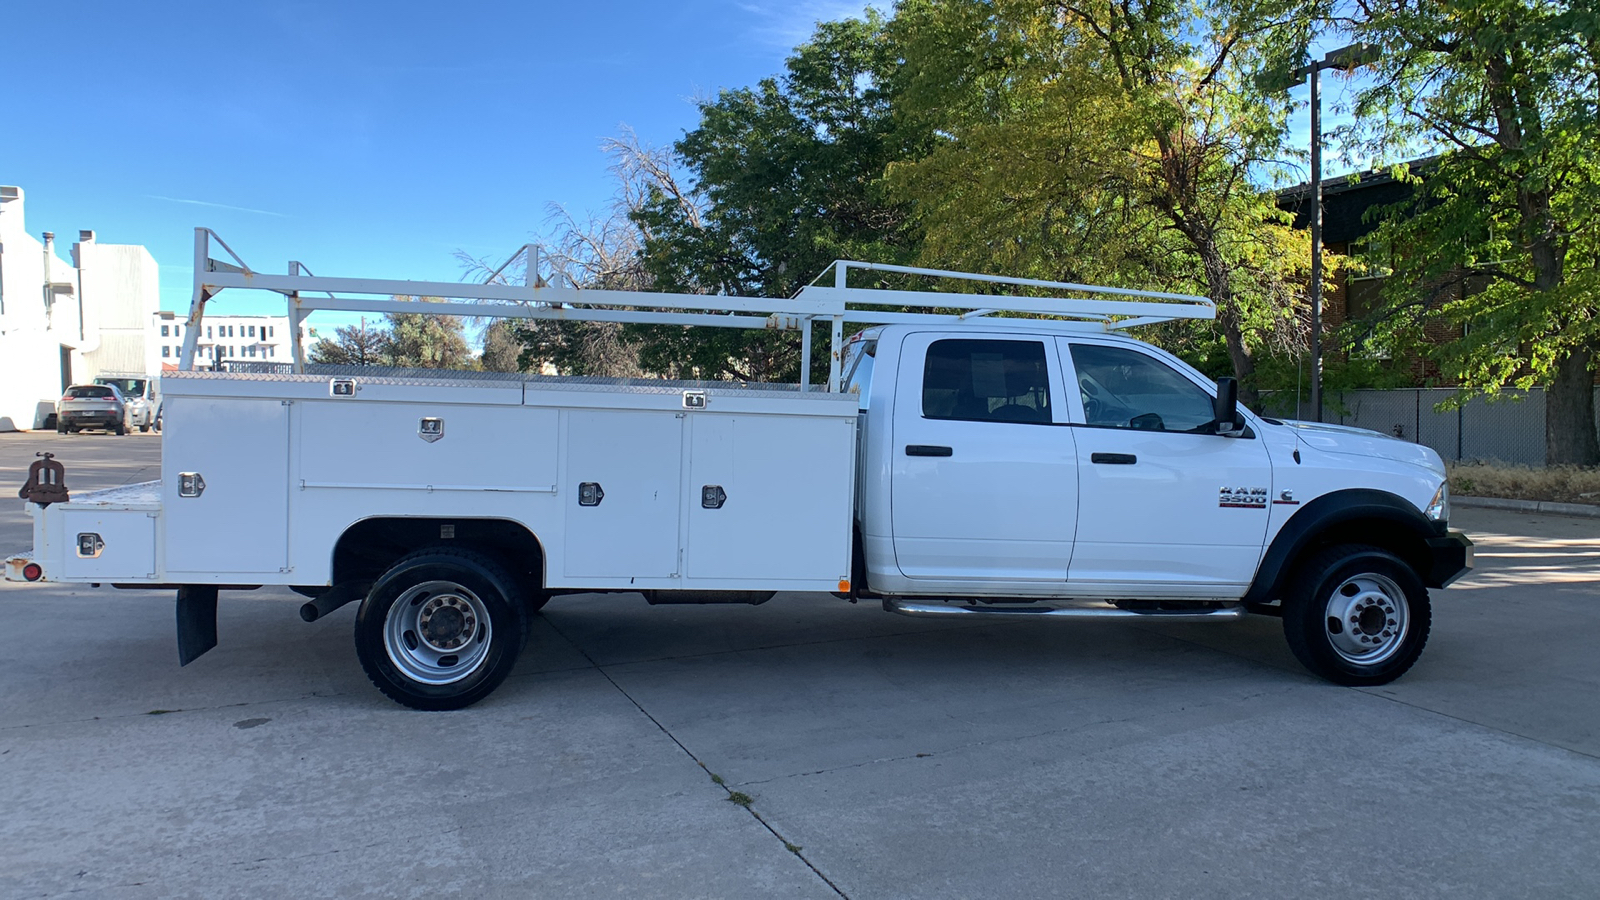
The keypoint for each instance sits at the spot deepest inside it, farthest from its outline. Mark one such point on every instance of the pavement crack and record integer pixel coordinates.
(735, 796)
(1371, 692)
(1486, 727)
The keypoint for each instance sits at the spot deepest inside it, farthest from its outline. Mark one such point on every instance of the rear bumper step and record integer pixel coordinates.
(948, 610)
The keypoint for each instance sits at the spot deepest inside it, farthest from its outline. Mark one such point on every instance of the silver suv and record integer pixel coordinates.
(92, 406)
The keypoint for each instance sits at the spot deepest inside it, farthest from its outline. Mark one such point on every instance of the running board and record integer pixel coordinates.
(947, 610)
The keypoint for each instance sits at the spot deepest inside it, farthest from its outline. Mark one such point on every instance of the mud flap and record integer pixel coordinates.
(197, 621)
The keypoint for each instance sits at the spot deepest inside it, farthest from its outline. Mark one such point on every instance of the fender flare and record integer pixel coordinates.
(1389, 520)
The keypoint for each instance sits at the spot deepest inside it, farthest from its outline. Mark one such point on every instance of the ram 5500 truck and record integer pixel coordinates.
(1017, 457)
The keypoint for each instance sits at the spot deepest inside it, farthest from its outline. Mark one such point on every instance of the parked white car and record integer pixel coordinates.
(140, 393)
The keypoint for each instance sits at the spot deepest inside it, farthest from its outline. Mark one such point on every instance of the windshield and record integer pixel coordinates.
(132, 387)
(90, 393)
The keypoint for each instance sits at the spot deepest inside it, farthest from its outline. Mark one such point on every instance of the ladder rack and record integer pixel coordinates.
(1106, 308)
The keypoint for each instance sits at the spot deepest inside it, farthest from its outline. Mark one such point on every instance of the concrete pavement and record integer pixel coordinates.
(881, 756)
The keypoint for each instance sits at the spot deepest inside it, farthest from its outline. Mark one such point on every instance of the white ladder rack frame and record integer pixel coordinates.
(1107, 308)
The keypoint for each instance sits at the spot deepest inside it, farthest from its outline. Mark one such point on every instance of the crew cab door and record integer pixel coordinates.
(1164, 506)
(983, 482)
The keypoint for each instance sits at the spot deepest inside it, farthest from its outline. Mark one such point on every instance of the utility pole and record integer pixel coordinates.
(1346, 58)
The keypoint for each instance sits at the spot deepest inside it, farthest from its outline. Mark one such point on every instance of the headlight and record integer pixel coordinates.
(1439, 508)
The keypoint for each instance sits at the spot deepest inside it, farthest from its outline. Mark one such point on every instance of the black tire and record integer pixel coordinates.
(460, 588)
(121, 428)
(145, 428)
(61, 428)
(1357, 615)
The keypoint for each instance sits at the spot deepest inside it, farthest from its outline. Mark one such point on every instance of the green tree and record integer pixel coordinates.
(426, 341)
(1114, 141)
(1509, 92)
(787, 176)
(502, 348)
(353, 345)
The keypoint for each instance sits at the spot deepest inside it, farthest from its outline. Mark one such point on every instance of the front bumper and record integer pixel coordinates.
(1449, 558)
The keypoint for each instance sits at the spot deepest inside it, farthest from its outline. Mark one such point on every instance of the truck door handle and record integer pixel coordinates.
(1114, 459)
(927, 450)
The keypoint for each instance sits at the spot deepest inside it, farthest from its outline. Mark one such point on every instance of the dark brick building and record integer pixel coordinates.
(1351, 208)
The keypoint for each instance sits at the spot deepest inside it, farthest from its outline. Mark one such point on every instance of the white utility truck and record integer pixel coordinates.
(1001, 456)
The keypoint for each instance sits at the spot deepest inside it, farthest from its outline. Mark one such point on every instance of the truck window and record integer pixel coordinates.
(859, 358)
(1124, 388)
(986, 381)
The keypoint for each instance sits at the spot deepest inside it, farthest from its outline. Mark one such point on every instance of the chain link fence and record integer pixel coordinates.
(1506, 429)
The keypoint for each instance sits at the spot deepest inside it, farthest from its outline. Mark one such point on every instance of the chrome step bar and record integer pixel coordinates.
(948, 610)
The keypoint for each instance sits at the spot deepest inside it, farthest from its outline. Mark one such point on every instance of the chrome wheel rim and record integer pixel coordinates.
(1367, 619)
(437, 632)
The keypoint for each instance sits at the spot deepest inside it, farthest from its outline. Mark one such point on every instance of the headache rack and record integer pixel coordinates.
(1107, 308)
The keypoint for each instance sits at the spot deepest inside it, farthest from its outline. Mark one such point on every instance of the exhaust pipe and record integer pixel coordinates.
(333, 598)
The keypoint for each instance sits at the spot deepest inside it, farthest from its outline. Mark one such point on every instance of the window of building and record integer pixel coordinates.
(252, 330)
(208, 332)
(163, 331)
(177, 331)
(166, 351)
(1124, 388)
(986, 381)
(269, 331)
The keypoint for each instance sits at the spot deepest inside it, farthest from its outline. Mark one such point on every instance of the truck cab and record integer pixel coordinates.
(1038, 461)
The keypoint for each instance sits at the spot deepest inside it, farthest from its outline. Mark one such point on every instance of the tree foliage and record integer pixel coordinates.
(1503, 237)
(786, 177)
(352, 345)
(404, 340)
(1110, 141)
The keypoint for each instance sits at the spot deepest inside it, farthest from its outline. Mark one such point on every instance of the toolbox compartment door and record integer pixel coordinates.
(239, 523)
(100, 544)
(626, 526)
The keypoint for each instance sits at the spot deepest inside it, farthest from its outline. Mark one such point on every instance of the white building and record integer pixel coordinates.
(223, 339)
(63, 323)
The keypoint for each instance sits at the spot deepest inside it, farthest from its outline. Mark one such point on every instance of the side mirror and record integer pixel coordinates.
(1226, 406)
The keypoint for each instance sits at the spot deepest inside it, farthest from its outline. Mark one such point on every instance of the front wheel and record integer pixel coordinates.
(1357, 616)
(441, 629)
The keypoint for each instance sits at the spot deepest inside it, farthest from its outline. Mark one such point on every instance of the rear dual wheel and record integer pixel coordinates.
(1357, 615)
(441, 629)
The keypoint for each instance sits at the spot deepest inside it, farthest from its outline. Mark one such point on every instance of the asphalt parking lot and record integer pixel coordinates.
(879, 756)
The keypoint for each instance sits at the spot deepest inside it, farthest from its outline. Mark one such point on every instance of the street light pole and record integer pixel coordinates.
(1316, 243)
(1347, 58)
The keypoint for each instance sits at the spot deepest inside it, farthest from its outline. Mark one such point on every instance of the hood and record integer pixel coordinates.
(1363, 442)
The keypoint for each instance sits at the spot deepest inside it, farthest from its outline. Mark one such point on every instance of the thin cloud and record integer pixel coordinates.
(259, 212)
(788, 25)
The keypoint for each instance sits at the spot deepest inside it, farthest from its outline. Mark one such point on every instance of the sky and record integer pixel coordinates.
(360, 138)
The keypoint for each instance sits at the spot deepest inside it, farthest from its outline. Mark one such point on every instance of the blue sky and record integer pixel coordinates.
(359, 138)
